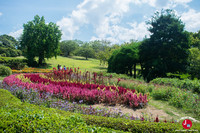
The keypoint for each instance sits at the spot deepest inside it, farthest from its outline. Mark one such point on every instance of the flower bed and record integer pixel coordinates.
(89, 93)
(32, 70)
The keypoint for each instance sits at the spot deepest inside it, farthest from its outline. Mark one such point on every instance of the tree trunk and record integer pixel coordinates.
(134, 67)
(130, 69)
(41, 58)
(141, 67)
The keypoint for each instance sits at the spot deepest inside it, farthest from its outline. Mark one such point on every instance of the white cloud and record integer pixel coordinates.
(106, 19)
(167, 3)
(104, 16)
(1, 13)
(16, 34)
(191, 20)
(118, 34)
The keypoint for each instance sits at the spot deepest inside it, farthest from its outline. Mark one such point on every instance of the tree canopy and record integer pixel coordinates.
(8, 46)
(40, 40)
(123, 60)
(67, 47)
(167, 48)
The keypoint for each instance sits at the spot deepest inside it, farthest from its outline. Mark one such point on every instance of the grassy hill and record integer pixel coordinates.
(92, 65)
(76, 61)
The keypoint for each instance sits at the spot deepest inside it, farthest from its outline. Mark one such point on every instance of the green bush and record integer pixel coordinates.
(13, 63)
(163, 93)
(10, 52)
(5, 71)
(192, 85)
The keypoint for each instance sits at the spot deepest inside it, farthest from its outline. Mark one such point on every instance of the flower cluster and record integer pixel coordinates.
(74, 92)
(32, 70)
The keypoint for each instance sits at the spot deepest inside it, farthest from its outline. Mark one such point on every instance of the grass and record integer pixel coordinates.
(2, 77)
(76, 61)
(92, 65)
(170, 110)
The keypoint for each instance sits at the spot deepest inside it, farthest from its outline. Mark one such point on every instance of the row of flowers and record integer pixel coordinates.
(32, 70)
(75, 92)
(37, 78)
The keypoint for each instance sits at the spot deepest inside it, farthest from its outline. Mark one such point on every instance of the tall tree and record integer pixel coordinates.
(167, 48)
(40, 40)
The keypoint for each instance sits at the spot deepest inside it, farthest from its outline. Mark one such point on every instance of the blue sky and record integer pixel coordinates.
(117, 21)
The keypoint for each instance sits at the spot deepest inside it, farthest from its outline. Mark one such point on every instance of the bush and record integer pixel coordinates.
(13, 63)
(5, 71)
(10, 52)
(192, 85)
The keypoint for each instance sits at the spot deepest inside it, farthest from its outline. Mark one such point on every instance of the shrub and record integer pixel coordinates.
(13, 63)
(193, 85)
(10, 52)
(5, 71)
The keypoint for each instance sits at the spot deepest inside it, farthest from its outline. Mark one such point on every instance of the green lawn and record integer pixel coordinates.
(92, 65)
(76, 61)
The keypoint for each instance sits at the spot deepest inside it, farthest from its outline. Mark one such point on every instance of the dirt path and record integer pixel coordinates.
(148, 111)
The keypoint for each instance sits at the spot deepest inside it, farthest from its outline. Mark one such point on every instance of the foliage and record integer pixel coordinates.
(18, 117)
(86, 51)
(5, 71)
(194, 60)
(13, 63)
(195, 39)
(191, 85)
(167, 48)
(8, 46)
(9, 52)
(122, 60)
(67, 47)
(8, 41)
(40, 40)
(186, 100)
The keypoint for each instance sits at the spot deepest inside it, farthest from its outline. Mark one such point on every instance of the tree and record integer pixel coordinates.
(167, 48)
(40, 40)
(86, 51)
(8, 41)
(8, 46)
(125, 59)
(68, 46)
